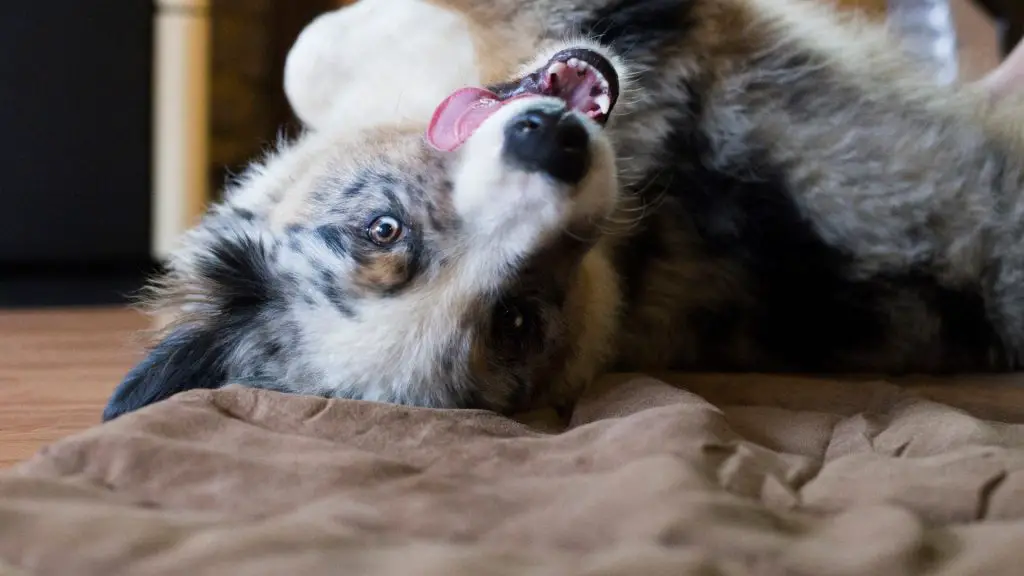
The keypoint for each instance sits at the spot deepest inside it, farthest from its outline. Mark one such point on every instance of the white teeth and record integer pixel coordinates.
(556, 69)
(581, 68)
(599, 104)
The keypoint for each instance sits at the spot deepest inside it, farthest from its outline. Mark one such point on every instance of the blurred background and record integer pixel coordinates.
(123, 118)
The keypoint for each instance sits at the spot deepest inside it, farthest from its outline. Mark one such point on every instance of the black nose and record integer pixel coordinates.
(550, 141)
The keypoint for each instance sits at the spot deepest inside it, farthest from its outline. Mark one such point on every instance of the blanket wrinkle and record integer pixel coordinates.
(747, 468)
(891, 541)
(941, 488)
(650, 474)
(900, 449)
(986, 491)
(906, 425)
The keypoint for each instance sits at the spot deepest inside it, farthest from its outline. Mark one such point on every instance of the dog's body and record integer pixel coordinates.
(787, 193)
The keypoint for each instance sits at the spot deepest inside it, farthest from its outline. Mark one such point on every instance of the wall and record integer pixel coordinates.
(243, 84)
(978, 39)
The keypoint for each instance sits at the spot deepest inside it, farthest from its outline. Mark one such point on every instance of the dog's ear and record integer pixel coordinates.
(188, 358)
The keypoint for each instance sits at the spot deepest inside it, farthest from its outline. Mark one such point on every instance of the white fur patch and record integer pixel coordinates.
(391, 357)
(513, 211)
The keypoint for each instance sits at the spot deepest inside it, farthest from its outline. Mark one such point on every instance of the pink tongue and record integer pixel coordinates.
(459, 116)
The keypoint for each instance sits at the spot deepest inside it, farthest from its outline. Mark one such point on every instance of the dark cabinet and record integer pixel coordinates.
(75, 115)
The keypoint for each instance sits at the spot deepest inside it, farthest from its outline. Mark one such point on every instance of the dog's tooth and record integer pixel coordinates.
(574, 63)
(558, 68)
(603, 102)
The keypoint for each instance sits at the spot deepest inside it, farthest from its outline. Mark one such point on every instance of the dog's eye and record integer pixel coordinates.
(516, 327)
(385, 230)
(512, 318)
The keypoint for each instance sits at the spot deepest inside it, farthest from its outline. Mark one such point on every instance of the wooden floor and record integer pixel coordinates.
(57, 368)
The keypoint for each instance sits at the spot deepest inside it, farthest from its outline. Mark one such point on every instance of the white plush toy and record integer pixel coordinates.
(384, 61)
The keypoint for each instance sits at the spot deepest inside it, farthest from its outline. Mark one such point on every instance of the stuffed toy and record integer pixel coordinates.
(375, 61)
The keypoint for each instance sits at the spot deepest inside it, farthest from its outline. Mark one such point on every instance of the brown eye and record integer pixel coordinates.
(512, 319)
(385, 230)
(516, 329)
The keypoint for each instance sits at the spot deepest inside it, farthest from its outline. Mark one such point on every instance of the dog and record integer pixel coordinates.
(704, 185)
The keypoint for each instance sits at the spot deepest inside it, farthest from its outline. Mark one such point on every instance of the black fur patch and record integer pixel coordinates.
(520, 395)
(966, 331)
(328, 285)
(243, 214)
(357, 186)
(634, 27)
(239, 268)
(635, 257)
(193, 356)
(189, 358)
(334, 237)
(805, 311)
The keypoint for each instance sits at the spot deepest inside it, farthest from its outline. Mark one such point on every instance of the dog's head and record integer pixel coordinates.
(432, 267)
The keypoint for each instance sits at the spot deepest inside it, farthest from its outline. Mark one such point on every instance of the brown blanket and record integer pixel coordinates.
(730, 475)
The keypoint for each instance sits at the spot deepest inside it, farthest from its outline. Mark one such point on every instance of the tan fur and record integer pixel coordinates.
(383, 272)
(592, 311)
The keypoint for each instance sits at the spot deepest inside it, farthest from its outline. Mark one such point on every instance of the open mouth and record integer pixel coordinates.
(585, 80)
